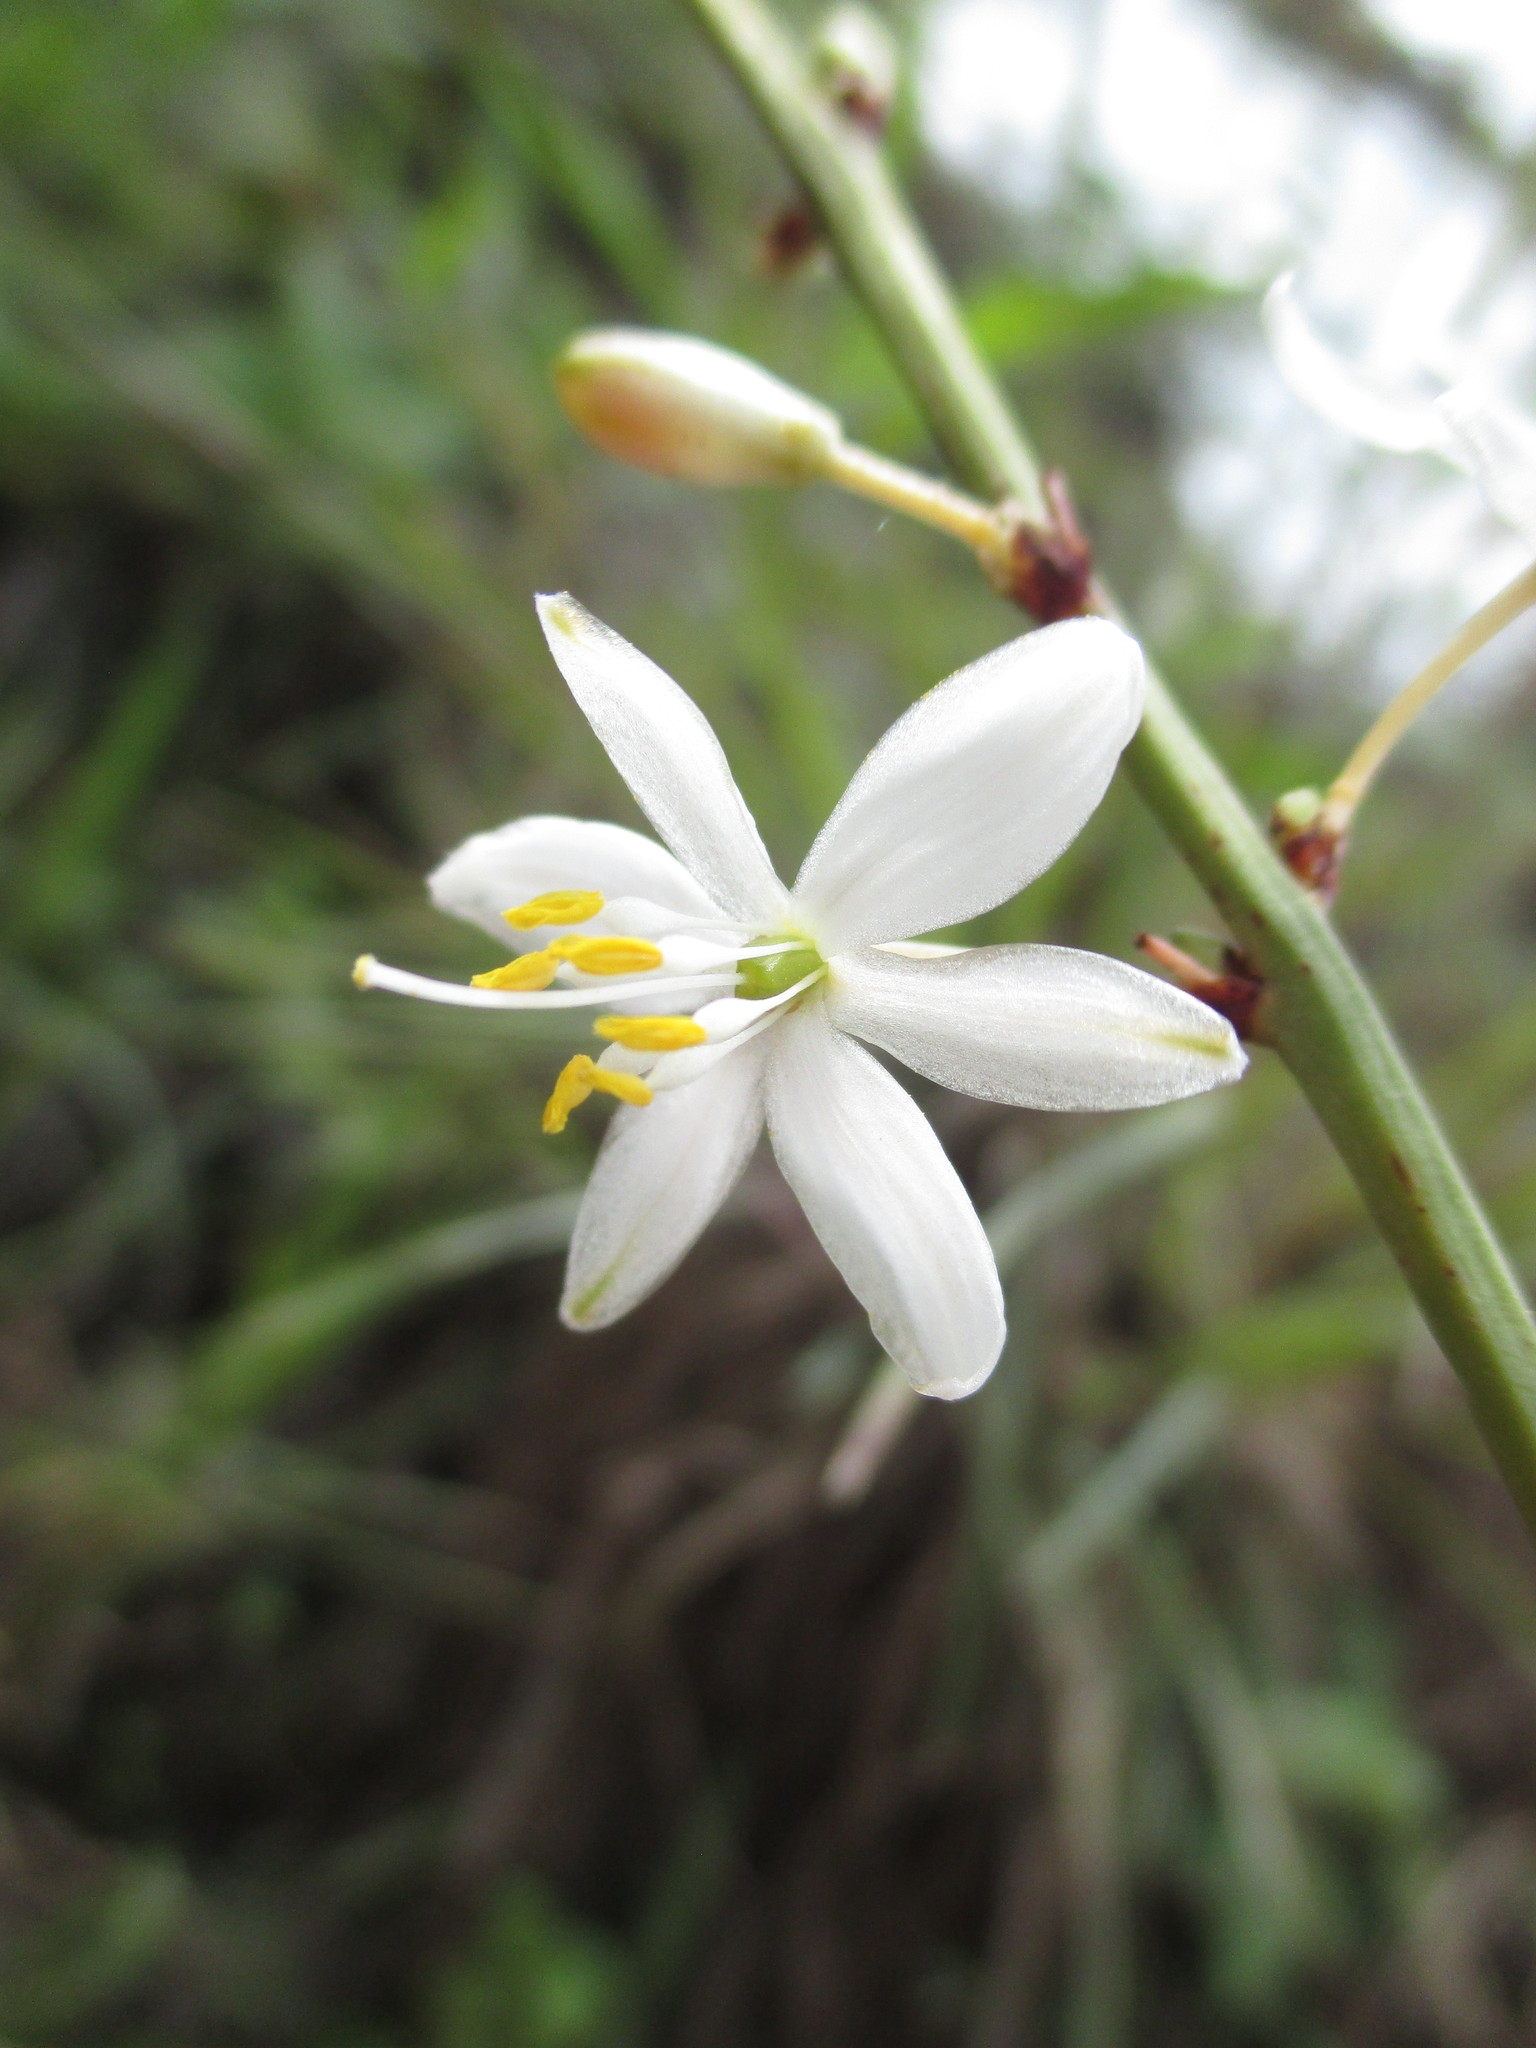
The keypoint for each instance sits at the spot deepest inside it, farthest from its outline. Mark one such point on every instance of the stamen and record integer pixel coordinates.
(728, 1025)
(627, 1087)
(372, 973)
(556, 906)
(690, 955)
(651, 1034)
(650, 920)
(577, 1079)
(620, 1060)
(529, 970)
(570, 1091)
(608, 955)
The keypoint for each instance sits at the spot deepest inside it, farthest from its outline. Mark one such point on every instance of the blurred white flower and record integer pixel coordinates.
(733, 1001)
(1467, 424)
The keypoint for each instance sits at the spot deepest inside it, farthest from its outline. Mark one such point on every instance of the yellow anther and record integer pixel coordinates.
(528, 970)
(651, 1034)
(572, 1087)
(557, 906)
(628, 1087)
(608, 956)
(362, 970)
(576, 1081)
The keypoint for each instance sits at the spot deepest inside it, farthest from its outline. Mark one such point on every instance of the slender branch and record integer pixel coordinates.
(1359, 771)
(1320, 1016)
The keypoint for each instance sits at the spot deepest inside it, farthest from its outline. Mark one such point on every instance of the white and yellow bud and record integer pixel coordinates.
(687, 409)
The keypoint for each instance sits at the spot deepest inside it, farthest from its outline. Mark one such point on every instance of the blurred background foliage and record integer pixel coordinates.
(382, 1665)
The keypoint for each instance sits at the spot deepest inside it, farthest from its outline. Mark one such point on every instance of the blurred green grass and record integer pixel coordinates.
(378, 1664)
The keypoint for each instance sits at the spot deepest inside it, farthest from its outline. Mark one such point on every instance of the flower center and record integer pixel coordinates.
(744, 983)
(771, 976)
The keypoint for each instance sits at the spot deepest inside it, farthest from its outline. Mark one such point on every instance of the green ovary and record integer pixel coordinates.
(779, 971)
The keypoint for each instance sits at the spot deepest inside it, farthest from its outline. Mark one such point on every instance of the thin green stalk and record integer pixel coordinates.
(1319, 1015)
(1360, 770)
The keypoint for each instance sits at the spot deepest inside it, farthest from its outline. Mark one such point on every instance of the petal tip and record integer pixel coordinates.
(951, 1389)
(1217, 1051)
(559, 612)
(1227, 1055)
(584, 1312)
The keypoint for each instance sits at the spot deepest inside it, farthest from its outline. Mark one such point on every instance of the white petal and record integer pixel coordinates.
(1041, 1026)
(1338, 390)
(976, 788)
(662, 1173)
(496, 871)
(886, 1203)
(1498, 445)
(663, 746)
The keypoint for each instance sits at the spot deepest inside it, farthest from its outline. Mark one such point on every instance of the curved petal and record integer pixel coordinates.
(977, 788)
(495, 871)
(1498, 445)
(663, 746)
(1340, 392)
(1040, 1026)
(885, 1201)
(660, 1176)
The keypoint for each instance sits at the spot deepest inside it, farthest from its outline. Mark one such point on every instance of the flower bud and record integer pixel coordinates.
(1309, 841)
(686, 409)
(855, 59)
(1299, 810)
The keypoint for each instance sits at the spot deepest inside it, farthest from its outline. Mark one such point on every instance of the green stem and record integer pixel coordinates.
(1319, 1014)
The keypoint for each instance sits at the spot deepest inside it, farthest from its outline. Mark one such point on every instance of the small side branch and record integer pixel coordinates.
(1312, 831)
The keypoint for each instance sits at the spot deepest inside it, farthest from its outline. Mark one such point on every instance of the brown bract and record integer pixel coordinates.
(1049, 570)
(1313, 853)
(790, 240)
(1235, 990)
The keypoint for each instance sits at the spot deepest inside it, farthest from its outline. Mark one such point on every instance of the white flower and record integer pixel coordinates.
(1469, 426)
(731, 1000)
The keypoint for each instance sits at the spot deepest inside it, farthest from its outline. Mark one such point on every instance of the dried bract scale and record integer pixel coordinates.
(732, 1002)
(1048, 569)
(685, 408)
(791, 242)
(1311, 847)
